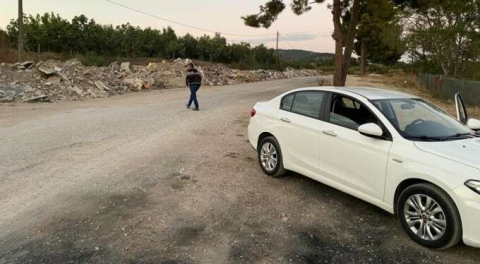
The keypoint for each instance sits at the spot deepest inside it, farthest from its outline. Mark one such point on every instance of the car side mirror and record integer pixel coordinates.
(473, 124)
(370, 130)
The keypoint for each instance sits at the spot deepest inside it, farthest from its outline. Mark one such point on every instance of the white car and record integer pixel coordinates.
(391, 149)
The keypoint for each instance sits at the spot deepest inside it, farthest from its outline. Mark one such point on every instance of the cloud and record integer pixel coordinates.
(289, 38)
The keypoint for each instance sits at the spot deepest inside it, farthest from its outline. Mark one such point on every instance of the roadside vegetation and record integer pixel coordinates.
(97, 44)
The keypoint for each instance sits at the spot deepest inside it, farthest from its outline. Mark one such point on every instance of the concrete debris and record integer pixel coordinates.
(71, 81)
(25, 65)
(126, 67)
(102, 87)
(53, 80)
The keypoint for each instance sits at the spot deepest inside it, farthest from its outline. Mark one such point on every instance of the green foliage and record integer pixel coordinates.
(381, 32)
(96, 44)
(91, 59)
(3, 39)
(444, 37)
(270, 11)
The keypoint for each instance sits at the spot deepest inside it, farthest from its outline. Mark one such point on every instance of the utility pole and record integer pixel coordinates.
(21, 31)
(278, 36)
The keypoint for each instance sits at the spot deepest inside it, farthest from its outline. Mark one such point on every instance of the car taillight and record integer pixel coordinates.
(253, 112)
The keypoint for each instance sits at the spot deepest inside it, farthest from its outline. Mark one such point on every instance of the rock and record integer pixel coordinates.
(53, 80)
(61, 75)
(76, 90)
(26, 65)
(35, 98)
(58, 69)
(47, 70)
(102, 87)
(126, 67)
(129, 81)
(92, 94)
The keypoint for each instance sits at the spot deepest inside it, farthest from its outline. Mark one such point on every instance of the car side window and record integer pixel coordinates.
(308, 103)
(287, 102)
(349, 113)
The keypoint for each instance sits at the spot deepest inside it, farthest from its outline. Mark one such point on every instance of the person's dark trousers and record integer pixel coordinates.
(193, 95)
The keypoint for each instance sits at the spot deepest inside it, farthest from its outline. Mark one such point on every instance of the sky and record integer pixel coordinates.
(311, 31)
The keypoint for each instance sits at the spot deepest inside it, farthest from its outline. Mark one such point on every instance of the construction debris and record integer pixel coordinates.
(71, 81)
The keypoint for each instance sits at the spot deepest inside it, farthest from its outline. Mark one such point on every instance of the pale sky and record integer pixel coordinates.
(311, 31)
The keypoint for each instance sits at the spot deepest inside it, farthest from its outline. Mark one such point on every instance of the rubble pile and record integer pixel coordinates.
(71, 81)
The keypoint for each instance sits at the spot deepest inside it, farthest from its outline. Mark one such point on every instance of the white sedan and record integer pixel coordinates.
(391, 149)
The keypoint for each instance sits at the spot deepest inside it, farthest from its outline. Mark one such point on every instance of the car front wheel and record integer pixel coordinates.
(429, 216)
(270, 157)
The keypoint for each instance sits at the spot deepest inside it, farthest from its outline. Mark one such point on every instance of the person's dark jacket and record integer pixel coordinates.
(193, 77)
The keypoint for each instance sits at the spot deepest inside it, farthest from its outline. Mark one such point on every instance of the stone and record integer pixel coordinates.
(61, 75)
(76, 90)
(47, 70)
(26, 65)
(126, 67)
(35, 98)
(102, 87)
(54, 80)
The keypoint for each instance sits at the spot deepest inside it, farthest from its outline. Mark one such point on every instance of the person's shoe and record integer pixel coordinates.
(188, 107)
(196, 109)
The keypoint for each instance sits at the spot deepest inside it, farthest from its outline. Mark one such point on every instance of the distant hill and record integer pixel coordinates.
(305, 55)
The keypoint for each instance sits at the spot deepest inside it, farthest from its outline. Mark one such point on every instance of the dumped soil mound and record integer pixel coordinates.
(71, 81)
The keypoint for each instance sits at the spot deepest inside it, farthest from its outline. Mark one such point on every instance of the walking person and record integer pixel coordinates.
(194, 82)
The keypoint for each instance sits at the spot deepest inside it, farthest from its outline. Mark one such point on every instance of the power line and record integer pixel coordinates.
(291, 46)
(185, 25)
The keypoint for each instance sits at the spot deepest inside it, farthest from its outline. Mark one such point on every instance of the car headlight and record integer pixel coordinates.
(474, 185)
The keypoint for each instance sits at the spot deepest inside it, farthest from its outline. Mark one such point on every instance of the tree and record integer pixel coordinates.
(345, 20)
(444, 35)
(379, 37)
(84, 36)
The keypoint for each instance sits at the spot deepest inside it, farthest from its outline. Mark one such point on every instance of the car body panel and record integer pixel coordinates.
(463, 151)
(363, 163)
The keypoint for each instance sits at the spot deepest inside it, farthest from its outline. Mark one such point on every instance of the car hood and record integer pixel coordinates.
(465, 151)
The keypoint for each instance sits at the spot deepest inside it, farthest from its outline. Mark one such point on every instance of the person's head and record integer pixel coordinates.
(191, 66)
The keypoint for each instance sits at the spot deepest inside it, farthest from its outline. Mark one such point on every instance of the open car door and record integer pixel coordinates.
(462, 114)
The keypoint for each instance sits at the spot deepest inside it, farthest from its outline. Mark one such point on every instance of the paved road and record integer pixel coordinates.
(140, 179)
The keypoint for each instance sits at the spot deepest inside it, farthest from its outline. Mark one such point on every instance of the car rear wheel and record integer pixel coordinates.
(270, 157)
(429, 216)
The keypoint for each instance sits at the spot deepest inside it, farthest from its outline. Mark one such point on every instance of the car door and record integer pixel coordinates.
(298, 130)
(462, 114)
(347, 157)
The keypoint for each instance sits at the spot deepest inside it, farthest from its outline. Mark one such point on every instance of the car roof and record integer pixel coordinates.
(367, 92)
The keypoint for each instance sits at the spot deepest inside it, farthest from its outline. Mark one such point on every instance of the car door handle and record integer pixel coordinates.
(286, 120)
(329, 133)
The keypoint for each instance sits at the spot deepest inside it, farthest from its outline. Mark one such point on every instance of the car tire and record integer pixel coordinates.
(268, 152)
(433, 223)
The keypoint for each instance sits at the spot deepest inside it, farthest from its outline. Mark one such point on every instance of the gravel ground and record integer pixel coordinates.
(141, 179)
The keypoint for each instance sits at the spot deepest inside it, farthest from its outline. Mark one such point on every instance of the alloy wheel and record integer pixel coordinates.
(269, 157)
(425, 217)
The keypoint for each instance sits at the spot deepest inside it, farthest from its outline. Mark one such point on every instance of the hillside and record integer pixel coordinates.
(304, 55)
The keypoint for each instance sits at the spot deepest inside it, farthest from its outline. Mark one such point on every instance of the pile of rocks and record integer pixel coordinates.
(71, 81)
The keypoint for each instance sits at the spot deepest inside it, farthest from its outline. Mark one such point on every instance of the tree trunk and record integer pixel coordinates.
(363, 57)
(338, 36)
(343, 56)
(352, 32)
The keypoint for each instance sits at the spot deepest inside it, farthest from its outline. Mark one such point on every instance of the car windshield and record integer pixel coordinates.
(416, 119)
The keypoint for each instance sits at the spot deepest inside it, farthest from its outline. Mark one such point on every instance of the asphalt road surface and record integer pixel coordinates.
(140, 179)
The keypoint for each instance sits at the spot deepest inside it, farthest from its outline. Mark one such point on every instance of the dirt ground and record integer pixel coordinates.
(140, 179)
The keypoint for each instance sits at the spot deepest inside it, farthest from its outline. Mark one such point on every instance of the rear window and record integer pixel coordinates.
(308, 103)
(287, 102)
